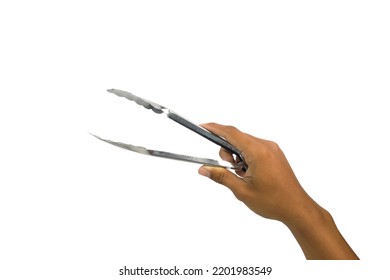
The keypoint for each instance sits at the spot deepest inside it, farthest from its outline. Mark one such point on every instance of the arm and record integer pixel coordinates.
(270, 189)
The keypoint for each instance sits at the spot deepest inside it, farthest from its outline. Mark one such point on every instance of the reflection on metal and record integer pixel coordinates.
(240, 165)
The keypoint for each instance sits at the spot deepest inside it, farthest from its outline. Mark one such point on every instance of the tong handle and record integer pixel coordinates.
(208, 135)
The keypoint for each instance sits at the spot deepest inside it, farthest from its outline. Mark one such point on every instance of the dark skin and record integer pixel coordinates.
(270, 189)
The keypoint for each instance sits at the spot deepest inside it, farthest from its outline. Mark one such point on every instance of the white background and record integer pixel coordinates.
(312, 76)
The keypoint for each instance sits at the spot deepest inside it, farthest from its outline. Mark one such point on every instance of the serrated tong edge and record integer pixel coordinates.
(159, 109)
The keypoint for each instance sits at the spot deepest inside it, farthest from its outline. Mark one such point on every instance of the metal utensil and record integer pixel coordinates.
(240, 165)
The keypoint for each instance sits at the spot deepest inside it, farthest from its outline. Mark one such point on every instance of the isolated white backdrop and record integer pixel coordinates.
(313, 77)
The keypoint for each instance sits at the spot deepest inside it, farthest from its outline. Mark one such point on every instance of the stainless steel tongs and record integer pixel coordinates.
(240, 162)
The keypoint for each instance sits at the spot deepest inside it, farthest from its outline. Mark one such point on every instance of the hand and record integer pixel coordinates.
(269, 188)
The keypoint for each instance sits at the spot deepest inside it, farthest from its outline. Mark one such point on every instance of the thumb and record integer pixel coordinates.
(224, 177)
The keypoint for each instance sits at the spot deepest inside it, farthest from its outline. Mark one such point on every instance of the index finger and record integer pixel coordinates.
(234, 136)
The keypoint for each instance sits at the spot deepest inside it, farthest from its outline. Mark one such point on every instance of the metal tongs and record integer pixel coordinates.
(240, 162)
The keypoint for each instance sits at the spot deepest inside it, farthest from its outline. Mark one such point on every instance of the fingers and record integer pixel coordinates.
(231, 134)
(226, 156)
(226, 178)
(222, 176)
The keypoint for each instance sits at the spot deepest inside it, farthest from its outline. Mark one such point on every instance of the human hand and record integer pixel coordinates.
(269, 188)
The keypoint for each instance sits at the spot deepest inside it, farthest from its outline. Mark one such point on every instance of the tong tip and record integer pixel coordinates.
(137, 149)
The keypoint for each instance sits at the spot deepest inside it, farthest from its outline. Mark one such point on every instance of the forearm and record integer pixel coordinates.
(318, 236)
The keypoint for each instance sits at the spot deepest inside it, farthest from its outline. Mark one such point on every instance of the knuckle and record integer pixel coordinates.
(220, 177)
(269, 148)
(231, 128)
(273, 146)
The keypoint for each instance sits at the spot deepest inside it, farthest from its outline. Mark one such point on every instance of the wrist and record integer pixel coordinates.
(318, 236)
(310, 215)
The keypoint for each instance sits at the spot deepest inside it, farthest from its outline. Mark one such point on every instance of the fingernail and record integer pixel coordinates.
(204, 172)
